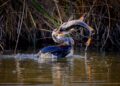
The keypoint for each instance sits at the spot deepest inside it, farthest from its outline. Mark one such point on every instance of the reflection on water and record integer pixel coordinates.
(61, 73)
(92, 70)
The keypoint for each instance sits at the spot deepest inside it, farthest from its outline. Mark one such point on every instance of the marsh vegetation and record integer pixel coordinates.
(28, 23)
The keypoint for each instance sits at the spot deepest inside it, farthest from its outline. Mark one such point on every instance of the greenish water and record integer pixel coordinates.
(96, 70)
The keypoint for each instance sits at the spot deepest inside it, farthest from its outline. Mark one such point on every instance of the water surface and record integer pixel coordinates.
(94, 70)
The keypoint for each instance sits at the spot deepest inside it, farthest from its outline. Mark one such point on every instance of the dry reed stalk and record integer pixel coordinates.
(108, 29)
(4, 3)
(60, 17)
(19, 27)
(102, 15)
(1, 47)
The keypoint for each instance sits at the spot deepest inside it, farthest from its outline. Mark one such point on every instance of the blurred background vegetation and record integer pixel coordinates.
(28, 23)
